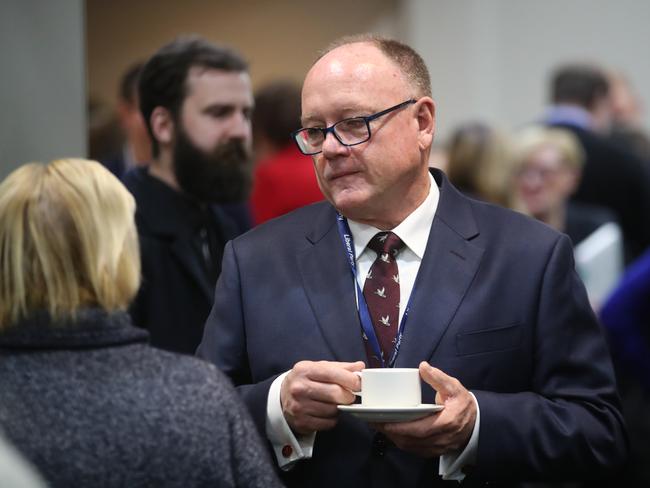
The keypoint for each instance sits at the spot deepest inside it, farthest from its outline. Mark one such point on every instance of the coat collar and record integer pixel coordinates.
(171, 216)
(448, 268)
(92, 328)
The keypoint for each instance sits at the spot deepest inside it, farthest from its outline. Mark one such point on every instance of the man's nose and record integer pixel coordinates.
(332, 146)
(240, 126)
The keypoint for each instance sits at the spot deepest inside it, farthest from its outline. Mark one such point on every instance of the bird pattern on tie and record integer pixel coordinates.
(382, 295)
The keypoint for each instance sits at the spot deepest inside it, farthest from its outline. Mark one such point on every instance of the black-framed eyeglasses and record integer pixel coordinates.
(349, 132)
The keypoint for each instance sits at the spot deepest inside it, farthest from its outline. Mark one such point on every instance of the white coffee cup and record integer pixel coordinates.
(390, 387)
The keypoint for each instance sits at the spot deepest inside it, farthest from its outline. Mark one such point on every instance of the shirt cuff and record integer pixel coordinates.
(288, 447)
(451, 465)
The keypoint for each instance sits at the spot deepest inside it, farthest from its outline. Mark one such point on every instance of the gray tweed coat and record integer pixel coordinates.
(90, 403)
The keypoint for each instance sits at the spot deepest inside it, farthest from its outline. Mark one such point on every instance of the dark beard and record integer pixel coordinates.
(221, 176)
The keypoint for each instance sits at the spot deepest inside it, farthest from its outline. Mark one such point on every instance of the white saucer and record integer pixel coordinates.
(390, 414)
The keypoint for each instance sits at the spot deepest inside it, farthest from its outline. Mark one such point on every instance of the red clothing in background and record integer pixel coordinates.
(283, 182)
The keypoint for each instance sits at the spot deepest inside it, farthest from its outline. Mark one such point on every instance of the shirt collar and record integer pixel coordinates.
(569, 115)
(413, 230)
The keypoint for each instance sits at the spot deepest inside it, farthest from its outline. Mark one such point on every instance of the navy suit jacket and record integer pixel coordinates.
(497, 305)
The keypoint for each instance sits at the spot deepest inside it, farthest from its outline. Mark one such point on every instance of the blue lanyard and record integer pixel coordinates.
(364, 313)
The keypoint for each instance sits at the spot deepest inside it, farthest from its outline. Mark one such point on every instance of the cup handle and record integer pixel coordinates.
(358, 373)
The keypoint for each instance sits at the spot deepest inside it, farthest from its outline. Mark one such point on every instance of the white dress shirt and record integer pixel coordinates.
(414, 232)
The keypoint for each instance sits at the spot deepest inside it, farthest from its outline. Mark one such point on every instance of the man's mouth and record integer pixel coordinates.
(341, 174)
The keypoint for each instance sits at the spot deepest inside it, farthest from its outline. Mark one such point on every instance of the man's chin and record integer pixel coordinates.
(352, 203)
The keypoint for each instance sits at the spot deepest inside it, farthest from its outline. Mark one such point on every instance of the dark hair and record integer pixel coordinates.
(128, 87)
(581, 84)
(405, 57)
(277, 112)
(163, 79)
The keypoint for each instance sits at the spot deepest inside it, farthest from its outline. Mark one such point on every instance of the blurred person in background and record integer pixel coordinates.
(105, 137)
(626, 317)
(479, 164)
(196, 100)
(439, 158)
(627, 113)
(284, 178)
(547, 167)
(136, 147)
(84, 397)
(612, 176)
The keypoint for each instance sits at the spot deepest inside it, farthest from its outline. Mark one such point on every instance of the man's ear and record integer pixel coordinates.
(162, 125)
(426, 117)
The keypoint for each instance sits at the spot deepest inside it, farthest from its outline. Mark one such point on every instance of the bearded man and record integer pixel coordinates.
(196, 99)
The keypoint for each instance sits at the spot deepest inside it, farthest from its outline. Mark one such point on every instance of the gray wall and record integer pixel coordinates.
(42, 81)
(490, 59)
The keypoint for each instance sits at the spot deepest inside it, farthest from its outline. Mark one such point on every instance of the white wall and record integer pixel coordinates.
(42, 81)
(490, 59)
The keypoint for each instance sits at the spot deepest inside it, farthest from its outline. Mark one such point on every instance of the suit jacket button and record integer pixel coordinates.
(287, 451)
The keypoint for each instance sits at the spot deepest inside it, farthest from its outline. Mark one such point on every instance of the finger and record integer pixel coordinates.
(308, 424)
(300, 389)
(423, 433)
(341, 374)
(444, 384)
(330, 393)
(310, 408)
(356, 366)
(421, 428)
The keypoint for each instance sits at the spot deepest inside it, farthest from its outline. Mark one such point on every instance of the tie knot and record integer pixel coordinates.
(386, 242)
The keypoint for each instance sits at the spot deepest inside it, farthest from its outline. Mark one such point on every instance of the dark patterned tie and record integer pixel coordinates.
(381, 291)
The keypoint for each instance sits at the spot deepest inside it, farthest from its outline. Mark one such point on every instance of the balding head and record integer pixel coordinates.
(405, 57)
(383, 178)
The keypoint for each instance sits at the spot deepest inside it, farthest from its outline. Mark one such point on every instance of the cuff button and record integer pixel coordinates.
(287, 451)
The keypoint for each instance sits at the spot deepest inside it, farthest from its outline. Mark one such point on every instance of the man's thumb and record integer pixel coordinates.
(444, 384)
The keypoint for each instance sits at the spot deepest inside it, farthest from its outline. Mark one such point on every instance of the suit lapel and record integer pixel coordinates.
(447, 270)
(329, 286)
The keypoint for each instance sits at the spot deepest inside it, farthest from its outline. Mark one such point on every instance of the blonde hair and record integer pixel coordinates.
(479, 163)
(532, 138)
(67, 240)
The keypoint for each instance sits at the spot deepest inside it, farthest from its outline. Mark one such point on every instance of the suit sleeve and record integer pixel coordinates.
(224, 340)
(570, 420)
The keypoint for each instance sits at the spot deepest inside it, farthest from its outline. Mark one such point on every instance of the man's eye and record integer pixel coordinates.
(352, 126)
(220, 112)
(313, 134)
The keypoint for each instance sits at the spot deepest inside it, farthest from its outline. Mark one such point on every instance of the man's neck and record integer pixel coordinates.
(391, 216)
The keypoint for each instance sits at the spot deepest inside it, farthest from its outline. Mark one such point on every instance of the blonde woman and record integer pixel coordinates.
(547, 167)
(84, 397)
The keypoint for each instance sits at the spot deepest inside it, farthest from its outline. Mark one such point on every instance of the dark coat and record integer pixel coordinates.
(177, 285)
(583, 219)
(92, 404)
(496, 304)
(616, 179)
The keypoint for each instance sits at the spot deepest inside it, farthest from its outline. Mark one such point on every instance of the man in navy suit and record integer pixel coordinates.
(491, 312)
